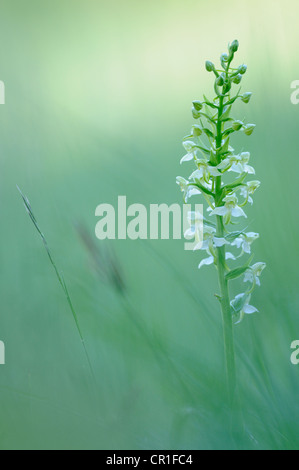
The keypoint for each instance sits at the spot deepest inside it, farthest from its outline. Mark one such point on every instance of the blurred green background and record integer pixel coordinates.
(98, 98)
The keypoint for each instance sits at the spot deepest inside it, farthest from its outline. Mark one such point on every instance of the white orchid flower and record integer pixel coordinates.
(246, 310)
(191, 150)
(250, 188)
(229, 210)
(204, 171)
(209, 241)
(237, 164)
(209, 237)
(187, 188)
(211, 259)
(207, 261)
(254, 272)
(245, 241)
(195, 220)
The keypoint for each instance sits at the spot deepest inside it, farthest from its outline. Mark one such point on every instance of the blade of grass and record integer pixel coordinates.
(59, 277)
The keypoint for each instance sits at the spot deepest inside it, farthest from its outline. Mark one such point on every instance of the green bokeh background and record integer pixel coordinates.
(98, 98)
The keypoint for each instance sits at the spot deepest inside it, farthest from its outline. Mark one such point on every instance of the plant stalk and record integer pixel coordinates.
(226, 316)
(223, 283)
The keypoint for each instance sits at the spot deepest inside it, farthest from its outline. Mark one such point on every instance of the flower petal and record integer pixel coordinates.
(249, 169)
(240, 318)
(192, 192)
(237, 168)
(238, 212)
(206, 262)
(187, 158)
(248, 277)
(199, 246)
(205, 245)
(237, 242)
(246, 248)
(190, 233)
(213, 171)
(249, 309)
(219, 211)
(224, 164)
(220, 241)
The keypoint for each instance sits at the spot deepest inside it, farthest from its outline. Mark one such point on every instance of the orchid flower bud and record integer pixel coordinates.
(234, 46)
(237, 125)
(223, 60)
(210, 66)
(227, 87)
(237, 79)
(242, 69)
(246, 97)
(220, 80)
(249, 128)
(196, 130)
(196, 114)
(197, 105)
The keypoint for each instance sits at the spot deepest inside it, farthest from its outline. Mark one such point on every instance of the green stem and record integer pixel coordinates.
(226, 315)
(223, 283)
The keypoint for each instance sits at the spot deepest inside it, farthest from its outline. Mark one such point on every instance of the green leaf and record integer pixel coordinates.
(230, 237)
(230, 102)
(198, 185)
(210, 119)
(237, 182)
(224, 148)
(228, 131)
(208, 133)
(209, 223)
(235, 273)
(203, 149)
(226, 113)
(234, 98)
(227, 119)
(212, 105)
(188, 137)
(209, 113)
